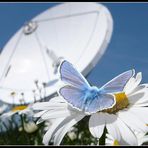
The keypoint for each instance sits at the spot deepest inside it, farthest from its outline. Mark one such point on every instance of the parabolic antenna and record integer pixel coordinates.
(78, 32)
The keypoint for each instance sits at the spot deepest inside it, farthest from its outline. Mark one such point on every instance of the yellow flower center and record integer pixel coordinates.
(116, 143)
(17, 108)
(121, 103)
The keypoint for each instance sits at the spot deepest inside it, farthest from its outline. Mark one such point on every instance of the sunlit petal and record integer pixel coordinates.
(97, 124)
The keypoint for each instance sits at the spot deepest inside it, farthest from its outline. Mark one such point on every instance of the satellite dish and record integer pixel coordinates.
(78, 32)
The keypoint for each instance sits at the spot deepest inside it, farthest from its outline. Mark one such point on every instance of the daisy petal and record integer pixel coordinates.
(50, 131)
(48, 105)
(56, 114)
(132, 121)
(39, 114)
(133, 83)
(140, 113)
(109, 140)
(135, 98)
(145, 84)
(139, 97)
(40, 121)
(63, 130)
(57, 99)
(112, 126)
(128, 137)
(97, 124)
(138, 79)
(143, 140)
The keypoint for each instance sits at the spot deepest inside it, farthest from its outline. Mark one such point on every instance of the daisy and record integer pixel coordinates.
(129, 114)
(11, 118)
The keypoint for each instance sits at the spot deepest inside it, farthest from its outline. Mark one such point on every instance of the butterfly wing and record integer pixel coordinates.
(70, 75)
(101, 102)
(118, 83)
(73, 95)
(76, 98)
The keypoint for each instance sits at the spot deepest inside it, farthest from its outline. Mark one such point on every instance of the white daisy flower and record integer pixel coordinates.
(15, 112)
(129, 114)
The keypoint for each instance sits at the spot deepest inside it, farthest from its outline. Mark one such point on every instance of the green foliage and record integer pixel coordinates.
(18, 136)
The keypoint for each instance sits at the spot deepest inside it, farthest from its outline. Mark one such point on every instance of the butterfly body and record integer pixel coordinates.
(90, 99)
(92, 92)
(89, 95)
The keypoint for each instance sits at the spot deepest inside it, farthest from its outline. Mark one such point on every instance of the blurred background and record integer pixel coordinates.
(128, 47)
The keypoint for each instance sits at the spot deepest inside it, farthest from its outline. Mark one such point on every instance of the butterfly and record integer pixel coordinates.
(84, 97)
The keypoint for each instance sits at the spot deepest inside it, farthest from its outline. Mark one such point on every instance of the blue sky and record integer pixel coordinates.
(128, 48)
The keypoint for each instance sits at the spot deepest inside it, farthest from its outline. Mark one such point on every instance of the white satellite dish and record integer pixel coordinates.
(78, 32)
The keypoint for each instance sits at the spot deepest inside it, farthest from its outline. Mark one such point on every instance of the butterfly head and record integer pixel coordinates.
(94, 88)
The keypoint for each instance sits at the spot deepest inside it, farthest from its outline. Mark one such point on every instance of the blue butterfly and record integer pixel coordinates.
(90, 99)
